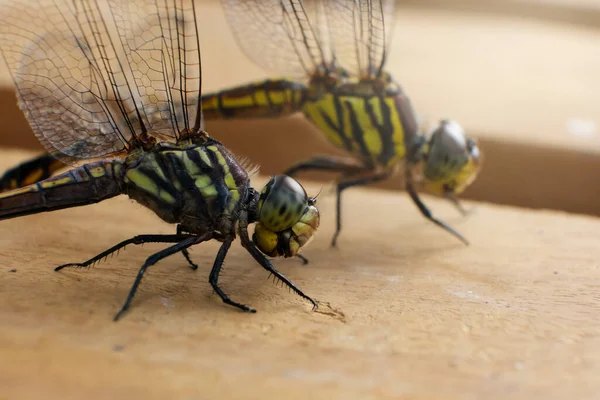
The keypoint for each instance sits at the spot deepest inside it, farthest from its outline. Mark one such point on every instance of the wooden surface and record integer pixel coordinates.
(406, 311)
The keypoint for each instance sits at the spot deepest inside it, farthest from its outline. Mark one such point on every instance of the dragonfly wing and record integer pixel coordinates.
(278, 35)
(162, 49)
(60, 80)
(360, 32)
(93, 85)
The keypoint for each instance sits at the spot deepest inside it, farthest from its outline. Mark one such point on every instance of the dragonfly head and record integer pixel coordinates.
(450, 161)
(287, 217)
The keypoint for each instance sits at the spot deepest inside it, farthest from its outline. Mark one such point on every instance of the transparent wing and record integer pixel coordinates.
(294, 37)
(161, 44)
(277, 35)
(88, 93)
(360, 33)
(60, 80)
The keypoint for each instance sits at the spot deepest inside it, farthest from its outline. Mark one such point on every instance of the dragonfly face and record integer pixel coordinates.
(287, 218)
(450, 161)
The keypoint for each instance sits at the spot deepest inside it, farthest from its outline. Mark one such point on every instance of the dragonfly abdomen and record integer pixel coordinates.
(30, 172)
(270, 98)
(87, 184)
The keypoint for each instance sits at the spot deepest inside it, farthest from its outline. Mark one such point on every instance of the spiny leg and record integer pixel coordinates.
(185, 252)
(140, 239)
(264, 262)
(326, 163)
(214, 277)
(341, 186)
(153, 259)
(427, 213)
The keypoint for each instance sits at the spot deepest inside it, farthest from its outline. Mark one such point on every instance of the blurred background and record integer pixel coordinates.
(521, 76)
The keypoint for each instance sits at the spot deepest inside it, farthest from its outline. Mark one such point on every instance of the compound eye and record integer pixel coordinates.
(282, 203)
(473, 150)
(448, 151)
(450, 136)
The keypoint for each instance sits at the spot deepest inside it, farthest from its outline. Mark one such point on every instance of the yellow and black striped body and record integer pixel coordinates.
(200, 187)
(88, 184)
(30, 172)
(374, 123)
(266, 99)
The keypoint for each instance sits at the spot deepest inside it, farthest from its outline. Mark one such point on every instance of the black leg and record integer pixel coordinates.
(153, 259)
(214, 277)
(140, 239)
(185, 252)
(425, 211)
(326, 163)
(457, 204)
(349, 167)
(302, 258)
(341, 186)
(262, 260)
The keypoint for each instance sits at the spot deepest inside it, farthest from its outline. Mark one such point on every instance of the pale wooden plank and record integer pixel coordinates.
(409, 312)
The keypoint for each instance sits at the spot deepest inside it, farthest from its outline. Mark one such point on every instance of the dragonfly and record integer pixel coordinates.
(333, 54)
(113, 90)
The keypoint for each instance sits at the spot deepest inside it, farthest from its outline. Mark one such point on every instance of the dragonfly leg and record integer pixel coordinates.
(302, 258)
(185, 252)
(264, 262)
(349, 167)
(458, 205)
(140, 239)
(214, 277)
(343, 185)
(326, 163)
(427, 213)
(153, 259)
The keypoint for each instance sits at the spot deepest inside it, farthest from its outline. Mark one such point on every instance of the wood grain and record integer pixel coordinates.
(406, 311)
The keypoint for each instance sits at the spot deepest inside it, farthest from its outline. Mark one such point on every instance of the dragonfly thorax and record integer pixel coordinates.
(371, 120)
(203, 188)
(198, 186)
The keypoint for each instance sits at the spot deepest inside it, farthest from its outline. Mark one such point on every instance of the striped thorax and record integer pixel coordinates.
(371, 122)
